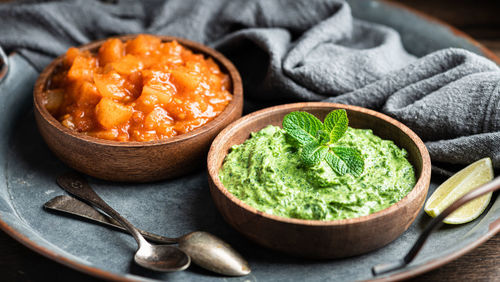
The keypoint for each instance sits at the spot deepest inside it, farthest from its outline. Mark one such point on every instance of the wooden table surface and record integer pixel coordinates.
(477, 18)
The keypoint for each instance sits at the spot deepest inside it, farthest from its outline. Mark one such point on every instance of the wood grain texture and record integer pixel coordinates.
(316, 238)
(135, 161)
(18, 263)
(478, 18)
(481, 264)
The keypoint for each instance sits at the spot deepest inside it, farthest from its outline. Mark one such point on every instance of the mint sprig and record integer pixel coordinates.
(317, 141)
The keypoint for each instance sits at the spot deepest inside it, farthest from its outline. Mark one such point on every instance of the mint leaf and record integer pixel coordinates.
(302, 126)
(315, 140)
(312, 153)
(322, 137)
(345, 160)
(336, 124)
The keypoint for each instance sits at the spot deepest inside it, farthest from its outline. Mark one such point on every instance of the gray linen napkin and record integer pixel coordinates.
(295, 51)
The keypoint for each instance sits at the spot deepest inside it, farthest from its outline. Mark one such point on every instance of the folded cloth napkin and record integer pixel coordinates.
(295, 51)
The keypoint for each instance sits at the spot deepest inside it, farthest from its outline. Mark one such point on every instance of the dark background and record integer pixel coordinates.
(478, 18)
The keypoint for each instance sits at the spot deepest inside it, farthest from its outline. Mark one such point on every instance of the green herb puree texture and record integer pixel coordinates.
(266, 173)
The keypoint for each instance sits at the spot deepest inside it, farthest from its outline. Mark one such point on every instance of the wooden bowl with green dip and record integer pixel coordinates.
(265, 185)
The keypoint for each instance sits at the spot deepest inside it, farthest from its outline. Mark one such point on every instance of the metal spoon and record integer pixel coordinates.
(489, 187)
(4, 64)
(154, 257)
(205, 249)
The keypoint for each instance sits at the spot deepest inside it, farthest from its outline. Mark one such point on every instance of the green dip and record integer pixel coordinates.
(266, 173)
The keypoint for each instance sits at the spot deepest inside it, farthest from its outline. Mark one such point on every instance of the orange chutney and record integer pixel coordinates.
(139, 90)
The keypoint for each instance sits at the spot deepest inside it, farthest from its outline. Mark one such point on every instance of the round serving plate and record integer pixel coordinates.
(27, 180)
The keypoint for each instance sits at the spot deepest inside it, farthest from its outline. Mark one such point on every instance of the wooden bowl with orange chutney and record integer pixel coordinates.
(136, 108)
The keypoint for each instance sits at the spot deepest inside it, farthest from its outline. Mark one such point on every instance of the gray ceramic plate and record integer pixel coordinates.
(27, 180)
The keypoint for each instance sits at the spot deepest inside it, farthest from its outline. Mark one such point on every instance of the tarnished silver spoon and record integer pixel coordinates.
(205, 249)
(489, 187)
(155, 257)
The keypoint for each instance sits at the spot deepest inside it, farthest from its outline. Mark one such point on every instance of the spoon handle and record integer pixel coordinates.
(435, 223)
(4, 65)
(73, 206)
(76, 185)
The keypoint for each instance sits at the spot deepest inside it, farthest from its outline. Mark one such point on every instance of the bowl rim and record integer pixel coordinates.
(420, 184)
(234, 104)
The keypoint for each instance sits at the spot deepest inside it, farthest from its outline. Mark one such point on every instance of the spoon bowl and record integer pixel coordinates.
(204, 249)
(210, 252)
(161, 258)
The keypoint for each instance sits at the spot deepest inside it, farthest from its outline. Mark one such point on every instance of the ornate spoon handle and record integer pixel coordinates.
(491, 186)
(76, 185)
(73, 206)
(4, 64)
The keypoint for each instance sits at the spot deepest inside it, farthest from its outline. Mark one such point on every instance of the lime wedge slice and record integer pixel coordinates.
(469, 178)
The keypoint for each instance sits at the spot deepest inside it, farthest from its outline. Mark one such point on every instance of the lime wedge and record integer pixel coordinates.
(469, 178)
